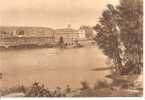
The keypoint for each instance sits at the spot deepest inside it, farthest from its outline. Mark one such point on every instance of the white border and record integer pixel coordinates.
(81, 98)
(94, 98)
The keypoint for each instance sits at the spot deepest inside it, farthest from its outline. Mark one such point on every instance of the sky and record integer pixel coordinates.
(52, 13)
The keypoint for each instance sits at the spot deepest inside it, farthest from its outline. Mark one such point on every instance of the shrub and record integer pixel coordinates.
(101, 84)
(37, 90)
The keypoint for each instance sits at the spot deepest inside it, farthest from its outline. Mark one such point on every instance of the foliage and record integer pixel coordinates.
(37, 90)
(101, 84)
(13, 90)
(108, 37)
(85, 85)
(120, 35)
(131, 27)
(100, 88)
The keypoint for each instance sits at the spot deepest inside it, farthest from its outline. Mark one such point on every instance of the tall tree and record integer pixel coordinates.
(108, 36)
(120, 34)
(131, 27)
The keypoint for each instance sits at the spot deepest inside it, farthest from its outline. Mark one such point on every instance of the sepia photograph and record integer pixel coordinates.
(71, 48)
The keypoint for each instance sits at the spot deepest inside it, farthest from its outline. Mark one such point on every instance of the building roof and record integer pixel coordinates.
(66, 30)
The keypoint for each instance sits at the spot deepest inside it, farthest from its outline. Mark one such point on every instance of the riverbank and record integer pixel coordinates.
(25, 47)
(122, 86)
(99, 89)
(82, 43)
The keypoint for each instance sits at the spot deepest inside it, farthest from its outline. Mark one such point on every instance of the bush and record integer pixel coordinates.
(85, 85)
(101, 84)
(16, 89)
(37, 90)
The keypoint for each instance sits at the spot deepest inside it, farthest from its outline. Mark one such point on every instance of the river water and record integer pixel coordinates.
(51, 66)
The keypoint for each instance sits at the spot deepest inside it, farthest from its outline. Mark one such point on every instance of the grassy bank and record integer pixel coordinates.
(99, 89)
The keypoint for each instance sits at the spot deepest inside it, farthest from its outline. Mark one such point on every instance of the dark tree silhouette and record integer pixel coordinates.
(120, 35)
(131, 27)
(108, 36)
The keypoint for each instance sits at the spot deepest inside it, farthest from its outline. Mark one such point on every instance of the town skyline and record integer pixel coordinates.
(53, 14)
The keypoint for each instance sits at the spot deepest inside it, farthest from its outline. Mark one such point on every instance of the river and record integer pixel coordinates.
(51, 66)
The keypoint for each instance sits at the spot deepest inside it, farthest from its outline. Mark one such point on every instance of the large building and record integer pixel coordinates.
(26, 32)
(69, 35)
(15, 36)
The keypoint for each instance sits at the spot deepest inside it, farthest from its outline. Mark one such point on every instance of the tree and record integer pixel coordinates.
(120, 34)
(131, 27)
(107, 36)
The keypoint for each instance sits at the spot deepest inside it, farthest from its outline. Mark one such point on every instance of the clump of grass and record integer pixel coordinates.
(101, 84)
(84, 85)
(16, 89)
(37, 90)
